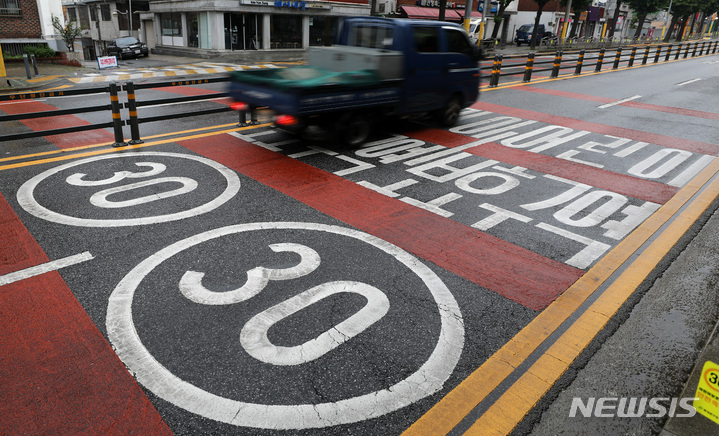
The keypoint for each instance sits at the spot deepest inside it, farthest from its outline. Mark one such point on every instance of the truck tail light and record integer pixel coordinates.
(286, 120)
(238, 106)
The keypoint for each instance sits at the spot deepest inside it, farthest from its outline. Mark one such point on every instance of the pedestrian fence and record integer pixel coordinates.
(584, 59)
(627, 55)
(115, 106)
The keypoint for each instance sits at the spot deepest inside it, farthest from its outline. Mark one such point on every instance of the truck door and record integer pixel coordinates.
(425, 84)
(461, 68)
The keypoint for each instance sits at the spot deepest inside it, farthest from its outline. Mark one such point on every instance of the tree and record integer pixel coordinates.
(540, 5)
(68, 32)
(644, 7)
(578, 6)
(501, 7)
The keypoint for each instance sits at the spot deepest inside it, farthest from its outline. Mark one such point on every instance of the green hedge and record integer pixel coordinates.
(39, 52)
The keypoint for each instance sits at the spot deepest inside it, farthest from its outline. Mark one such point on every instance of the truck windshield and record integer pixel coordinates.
(371, 36)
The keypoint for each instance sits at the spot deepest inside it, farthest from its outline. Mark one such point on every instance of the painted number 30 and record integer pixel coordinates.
(253, 336)
(100, 199)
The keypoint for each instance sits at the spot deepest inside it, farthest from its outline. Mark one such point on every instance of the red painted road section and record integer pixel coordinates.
(514, 272)
(58, 374)
(646, 190)
(652, 138)
(632, 104)
(67, 140)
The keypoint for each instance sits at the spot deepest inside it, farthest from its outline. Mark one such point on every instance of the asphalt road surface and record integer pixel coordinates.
(218, 279)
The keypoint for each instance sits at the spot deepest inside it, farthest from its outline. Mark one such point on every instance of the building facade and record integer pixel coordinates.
(208, 28)
(28, 22)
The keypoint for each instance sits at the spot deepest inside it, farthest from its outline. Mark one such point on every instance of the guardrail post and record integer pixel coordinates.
(116, 121)
(34, 64)
(528, 68)
(701, 51)
(496, 69)
(557, 63)
(580, 62)
(669, 52)
(617, 58)
(646, 56)
(686, 50)
(27, 66)
(658, 54)
(679, 51)
(243, 117)
(716, 43)
(132, 106)
(694, 52)
(253, 116)
(632, 56)
(600, 59)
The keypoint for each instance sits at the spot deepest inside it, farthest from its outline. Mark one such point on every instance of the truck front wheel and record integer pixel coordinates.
(354, 128)
(449, 114)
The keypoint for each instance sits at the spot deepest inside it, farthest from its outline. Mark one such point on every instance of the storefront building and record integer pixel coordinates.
(211, 28)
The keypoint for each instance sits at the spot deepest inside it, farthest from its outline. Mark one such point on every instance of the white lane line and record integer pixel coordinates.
(614, 103)
(688, 82)
(45, 267)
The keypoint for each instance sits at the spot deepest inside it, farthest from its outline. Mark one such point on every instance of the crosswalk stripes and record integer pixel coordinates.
(172, 71)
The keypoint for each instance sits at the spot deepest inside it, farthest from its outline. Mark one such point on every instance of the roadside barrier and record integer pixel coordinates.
(114, 107)
(533, 65)
(132, 104)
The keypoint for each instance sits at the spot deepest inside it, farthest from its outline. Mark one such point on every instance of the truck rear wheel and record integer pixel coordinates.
(354, 128)
(449, 114)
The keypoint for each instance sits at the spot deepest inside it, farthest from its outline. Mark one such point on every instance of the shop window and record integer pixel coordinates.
(286, 31)
(171, 29)
(322, 30)
(193, 30)
(243, 31)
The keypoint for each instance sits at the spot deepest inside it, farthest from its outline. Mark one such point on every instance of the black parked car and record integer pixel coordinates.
(127, 47)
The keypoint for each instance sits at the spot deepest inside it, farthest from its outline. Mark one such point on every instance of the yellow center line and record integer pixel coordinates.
(504, 415)
(129, 147)
(104, 144)
(514, 404)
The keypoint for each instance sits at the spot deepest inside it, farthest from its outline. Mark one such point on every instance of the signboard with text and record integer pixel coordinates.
(106, 62)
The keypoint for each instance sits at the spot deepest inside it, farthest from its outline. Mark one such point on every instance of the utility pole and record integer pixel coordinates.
(566, 20)
(467, 14)
(666, 19)
(483, 24)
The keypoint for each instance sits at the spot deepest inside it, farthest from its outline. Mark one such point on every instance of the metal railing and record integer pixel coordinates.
(621, 55)
(114, 107)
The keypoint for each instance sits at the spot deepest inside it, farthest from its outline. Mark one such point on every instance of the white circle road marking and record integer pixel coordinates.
(26, 198)
(428, 379)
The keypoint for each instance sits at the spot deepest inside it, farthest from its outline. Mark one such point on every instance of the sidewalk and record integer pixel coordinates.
(53, 75)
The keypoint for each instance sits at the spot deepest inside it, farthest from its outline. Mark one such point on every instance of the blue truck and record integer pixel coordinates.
(379, 68)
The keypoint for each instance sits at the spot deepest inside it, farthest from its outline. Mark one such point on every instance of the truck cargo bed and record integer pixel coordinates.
(310, 90)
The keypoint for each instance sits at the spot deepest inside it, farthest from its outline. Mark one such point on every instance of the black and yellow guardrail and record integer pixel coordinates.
(132, 104)
(662, 50)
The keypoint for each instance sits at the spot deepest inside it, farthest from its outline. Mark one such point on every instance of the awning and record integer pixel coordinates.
(431, 13)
